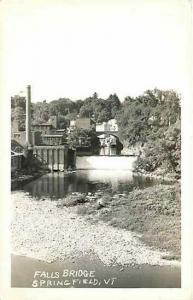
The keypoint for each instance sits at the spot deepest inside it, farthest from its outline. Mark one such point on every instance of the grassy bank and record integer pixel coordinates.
(153, 212)
(23, 177)
(44, 231)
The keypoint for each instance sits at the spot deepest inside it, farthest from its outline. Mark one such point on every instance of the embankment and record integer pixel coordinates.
(153, 212)
(42, 230)
(22, 177)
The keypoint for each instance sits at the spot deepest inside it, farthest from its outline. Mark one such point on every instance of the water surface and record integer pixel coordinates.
(144, 276)
(58, 184)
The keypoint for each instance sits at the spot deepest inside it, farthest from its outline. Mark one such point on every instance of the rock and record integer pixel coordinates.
(100, 203)
(73, 200)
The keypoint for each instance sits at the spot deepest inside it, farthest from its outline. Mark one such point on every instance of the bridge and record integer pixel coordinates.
(115, 133)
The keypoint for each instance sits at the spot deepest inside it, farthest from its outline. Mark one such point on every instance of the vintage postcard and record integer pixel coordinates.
(96, 135)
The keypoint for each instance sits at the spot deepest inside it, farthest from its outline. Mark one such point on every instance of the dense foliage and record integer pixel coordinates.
(152, 121)
(99, 109)
(79, 138)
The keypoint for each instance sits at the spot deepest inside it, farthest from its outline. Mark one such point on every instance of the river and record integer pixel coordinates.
(57, 185)
(54, 186)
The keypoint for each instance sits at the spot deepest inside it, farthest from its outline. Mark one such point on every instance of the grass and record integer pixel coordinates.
(154, 212)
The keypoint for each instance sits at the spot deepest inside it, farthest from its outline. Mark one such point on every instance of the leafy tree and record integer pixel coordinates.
(41, 112)
(133, 121)
(78, 104)
(63, 106)
(18, 101)
(95, 96)
(99, 109)
(18, 109)
(84, 138)
(141, 116)
(113, 103)
(153, 121)
(162, 150)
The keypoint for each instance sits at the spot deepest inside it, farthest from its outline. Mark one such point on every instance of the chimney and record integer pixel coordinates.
(28, 116)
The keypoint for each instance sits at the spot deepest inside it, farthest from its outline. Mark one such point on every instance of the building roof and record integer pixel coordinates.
(52, 135)
(42, 124)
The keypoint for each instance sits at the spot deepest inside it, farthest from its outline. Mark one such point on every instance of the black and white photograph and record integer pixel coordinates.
(96, 91)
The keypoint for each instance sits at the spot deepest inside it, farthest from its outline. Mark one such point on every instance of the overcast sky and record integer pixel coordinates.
(74, 48)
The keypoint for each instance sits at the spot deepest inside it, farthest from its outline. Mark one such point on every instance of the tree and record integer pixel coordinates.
(162, 150)
(95, 96)
(18, 109)
(61, 106)
(84, 138)
(18, 101)
(133, 121)
(41, 112)
(153, 121)
(113, 104)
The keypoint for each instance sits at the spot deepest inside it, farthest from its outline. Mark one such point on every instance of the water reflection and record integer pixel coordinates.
(58, 185)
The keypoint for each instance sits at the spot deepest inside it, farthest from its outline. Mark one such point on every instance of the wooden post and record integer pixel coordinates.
(48, 157)
(64, 159)
(42, 155)
(52, 159)
(58, 159)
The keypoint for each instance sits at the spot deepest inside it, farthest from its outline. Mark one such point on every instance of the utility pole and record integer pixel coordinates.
(28, 117)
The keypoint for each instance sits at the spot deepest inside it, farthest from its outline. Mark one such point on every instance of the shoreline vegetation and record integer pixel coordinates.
(65, 231)
(153, 213)
(22, 177)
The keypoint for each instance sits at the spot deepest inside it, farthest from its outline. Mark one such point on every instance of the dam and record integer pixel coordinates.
(60, 158)
(105, 162)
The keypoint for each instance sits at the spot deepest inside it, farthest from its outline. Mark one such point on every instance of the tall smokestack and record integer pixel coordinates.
(28, 116)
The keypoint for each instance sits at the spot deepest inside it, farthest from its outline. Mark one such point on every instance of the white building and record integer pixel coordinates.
(111, 125)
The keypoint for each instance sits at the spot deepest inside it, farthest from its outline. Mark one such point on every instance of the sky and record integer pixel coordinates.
(74, 48)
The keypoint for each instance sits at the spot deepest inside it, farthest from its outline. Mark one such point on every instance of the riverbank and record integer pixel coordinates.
(160, 174)
(23, 177)
(49, 231)
(153, 212)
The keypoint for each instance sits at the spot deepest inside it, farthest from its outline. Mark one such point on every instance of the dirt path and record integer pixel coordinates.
(43, 231)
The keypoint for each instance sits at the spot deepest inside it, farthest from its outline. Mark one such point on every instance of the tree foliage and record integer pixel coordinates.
(100, 109)
(80, 138)
(153, 121)
(142, 116)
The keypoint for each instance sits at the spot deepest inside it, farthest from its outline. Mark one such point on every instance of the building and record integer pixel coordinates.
(110, 126)
(44, 128)
(54, 121)
(82, 123)
(52, 139)
(20, 137)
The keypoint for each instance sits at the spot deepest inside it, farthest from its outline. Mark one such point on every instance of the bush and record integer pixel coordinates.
(73, 200)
